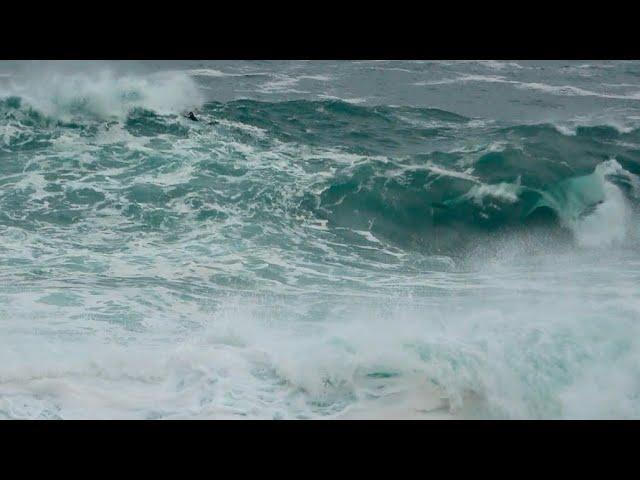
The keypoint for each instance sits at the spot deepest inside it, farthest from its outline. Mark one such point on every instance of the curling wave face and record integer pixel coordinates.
(309, 258)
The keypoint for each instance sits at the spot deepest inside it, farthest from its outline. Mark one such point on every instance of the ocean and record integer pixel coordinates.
(320, 240)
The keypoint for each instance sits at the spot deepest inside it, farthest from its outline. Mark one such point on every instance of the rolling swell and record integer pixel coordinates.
(539, 179)
(418, 178)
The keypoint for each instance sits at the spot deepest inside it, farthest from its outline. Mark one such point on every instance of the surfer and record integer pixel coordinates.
(192, 116)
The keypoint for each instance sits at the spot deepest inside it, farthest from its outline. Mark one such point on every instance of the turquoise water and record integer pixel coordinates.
(328, 240)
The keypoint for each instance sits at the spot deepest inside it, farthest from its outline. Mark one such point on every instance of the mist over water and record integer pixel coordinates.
(387, 239)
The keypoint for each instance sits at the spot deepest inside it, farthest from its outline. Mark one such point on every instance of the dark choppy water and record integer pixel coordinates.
(330, 239)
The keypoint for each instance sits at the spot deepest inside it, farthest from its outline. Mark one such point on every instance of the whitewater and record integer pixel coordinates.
(325, 240)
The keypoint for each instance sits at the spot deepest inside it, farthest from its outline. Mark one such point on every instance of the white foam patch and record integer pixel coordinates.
(251, 129)
(565, 129)
(318, 78)
(393, 69)
(354, 101)
(507, 192)
(210, 72)
(368, 235)
(11, 133)
(464, 79)
(496, 65)
(609, 224)
(281, 84)
(612, 220)
(437, 169)
(569, 90)
(620, 121)
(104, 94)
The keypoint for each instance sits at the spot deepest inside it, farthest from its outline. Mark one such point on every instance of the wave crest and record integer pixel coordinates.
(104, 94)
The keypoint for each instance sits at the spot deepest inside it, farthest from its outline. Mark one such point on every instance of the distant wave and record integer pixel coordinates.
(561, 90)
